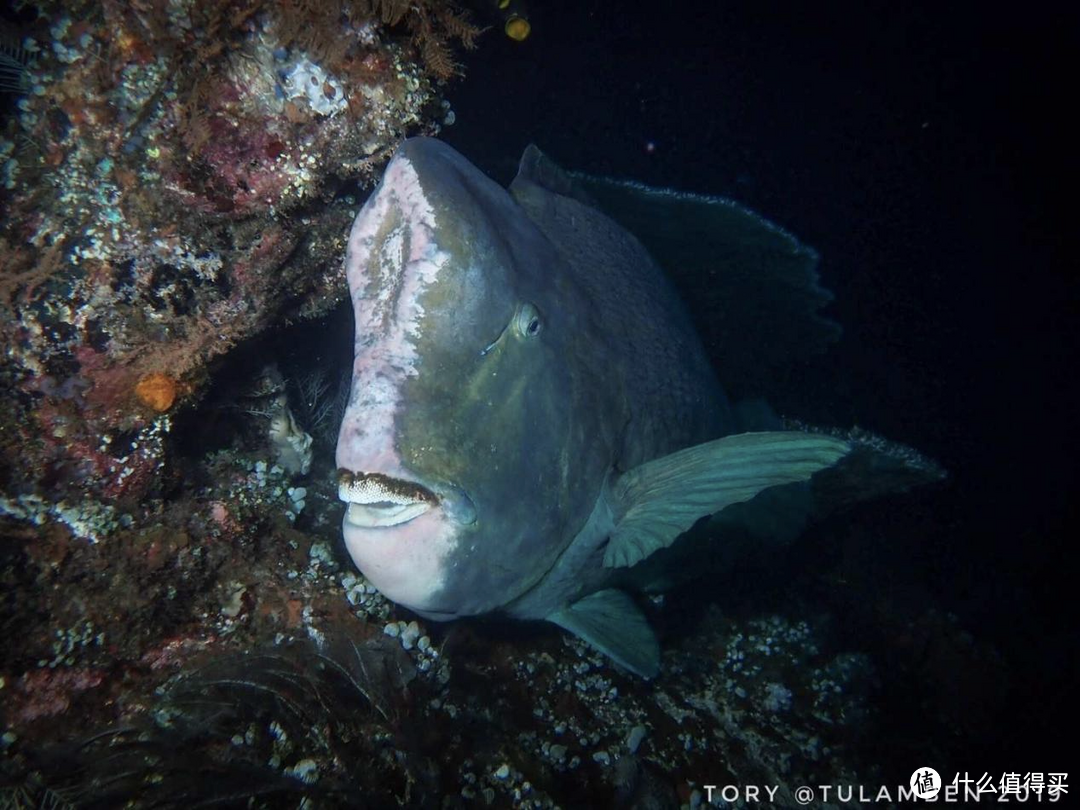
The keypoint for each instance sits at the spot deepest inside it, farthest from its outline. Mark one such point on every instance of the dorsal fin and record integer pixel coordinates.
(538, 169)
(751, 287)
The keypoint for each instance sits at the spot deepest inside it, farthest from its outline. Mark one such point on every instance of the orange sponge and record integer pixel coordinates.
(157, 391)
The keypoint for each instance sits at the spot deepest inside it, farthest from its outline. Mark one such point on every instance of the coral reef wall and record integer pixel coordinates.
(178, 177)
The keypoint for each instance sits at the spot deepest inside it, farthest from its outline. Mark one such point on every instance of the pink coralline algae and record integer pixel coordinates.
(179, 178)
(49, 692)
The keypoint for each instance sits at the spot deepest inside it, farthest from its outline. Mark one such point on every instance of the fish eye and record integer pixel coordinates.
(528, 322)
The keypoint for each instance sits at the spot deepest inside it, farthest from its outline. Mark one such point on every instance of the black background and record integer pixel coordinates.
(925, 151)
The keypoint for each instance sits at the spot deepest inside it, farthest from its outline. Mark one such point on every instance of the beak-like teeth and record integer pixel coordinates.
(370, 488)
(378, 500)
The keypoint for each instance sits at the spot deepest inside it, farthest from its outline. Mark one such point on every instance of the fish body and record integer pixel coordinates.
(532, 413)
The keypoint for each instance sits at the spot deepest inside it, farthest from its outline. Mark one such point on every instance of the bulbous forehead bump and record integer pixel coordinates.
(392, 258)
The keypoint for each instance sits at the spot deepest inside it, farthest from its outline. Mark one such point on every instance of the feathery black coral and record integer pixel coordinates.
(433, 25)
(14, 60)
(276, 726)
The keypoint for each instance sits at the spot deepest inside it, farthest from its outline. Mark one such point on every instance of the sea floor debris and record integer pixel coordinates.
(234, 640)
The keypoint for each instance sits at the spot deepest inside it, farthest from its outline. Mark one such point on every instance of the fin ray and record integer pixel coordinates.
(661, 499)
(611, 622)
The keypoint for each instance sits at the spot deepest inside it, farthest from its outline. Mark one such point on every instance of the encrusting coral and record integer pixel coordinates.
(177, 179)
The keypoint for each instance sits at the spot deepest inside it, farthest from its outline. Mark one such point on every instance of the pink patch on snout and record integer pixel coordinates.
(388, 271)
(406, 261)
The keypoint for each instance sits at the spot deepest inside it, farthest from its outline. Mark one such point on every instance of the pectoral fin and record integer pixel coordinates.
(659, 500)
(611, 622)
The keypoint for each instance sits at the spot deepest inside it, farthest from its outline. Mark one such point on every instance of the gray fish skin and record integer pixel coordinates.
(531, 411)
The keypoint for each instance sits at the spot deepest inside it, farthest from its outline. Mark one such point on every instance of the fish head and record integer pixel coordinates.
(476, 434)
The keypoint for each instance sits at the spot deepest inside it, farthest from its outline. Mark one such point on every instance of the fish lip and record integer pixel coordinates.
(377, 500)
(374, 487)
(364, 516)
(380, 500)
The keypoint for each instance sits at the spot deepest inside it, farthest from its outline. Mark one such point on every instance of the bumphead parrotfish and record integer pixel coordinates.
(532, 413)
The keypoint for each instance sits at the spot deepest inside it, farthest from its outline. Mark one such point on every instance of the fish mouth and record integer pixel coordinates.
(376, 500)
